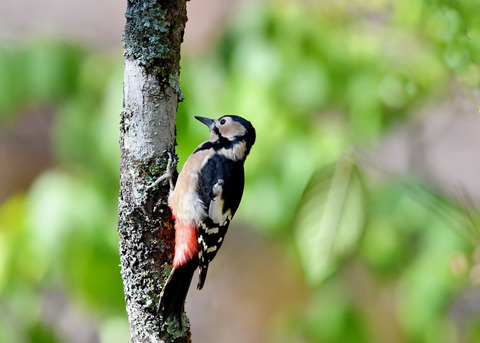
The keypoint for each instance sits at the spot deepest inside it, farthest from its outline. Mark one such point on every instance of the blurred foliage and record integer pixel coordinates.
(314, 79)
(330, 219)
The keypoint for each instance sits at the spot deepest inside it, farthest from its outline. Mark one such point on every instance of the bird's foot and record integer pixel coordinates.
(171, 166)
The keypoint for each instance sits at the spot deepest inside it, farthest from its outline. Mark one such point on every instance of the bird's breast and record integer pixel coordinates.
(185, 200)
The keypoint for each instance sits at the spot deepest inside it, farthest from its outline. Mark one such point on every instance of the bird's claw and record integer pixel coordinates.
(171, 165)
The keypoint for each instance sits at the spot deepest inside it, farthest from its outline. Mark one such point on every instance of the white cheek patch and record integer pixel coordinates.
(235, 153)
(231, 129)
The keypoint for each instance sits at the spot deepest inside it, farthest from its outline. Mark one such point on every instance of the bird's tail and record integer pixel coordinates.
(174, 292)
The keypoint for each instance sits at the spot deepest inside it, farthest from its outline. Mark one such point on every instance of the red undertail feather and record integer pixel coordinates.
(186, 244)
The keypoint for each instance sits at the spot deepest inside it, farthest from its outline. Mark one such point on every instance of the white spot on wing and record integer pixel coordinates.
(202, 242)
(212, 231)
(216, 204)
(212, 249)
(215, 209)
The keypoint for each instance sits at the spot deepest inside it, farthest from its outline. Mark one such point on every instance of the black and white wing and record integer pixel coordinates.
(221, 188)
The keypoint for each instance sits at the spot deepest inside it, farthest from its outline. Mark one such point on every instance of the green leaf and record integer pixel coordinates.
(330, 220)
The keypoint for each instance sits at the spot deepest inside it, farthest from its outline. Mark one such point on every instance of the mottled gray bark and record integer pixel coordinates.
(153, 34)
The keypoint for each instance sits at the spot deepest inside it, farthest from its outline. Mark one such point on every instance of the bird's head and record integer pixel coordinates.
(231, 132)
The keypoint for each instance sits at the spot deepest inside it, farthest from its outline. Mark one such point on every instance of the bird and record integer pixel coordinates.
(203, 201)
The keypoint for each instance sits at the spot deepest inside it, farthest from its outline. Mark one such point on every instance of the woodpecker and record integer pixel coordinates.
(205, 198)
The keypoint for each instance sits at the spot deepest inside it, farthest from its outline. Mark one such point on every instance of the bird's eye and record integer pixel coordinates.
(222, 122)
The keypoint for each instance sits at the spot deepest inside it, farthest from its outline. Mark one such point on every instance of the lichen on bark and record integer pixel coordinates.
(153, 34)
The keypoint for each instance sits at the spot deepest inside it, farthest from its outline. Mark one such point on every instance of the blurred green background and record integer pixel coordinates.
(358, 222)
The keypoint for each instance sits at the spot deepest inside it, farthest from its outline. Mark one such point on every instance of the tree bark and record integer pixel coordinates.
(152, 38)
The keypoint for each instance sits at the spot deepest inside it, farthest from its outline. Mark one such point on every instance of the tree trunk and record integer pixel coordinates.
(153, 34)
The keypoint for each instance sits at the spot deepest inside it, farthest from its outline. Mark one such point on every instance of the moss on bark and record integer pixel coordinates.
(153, 34)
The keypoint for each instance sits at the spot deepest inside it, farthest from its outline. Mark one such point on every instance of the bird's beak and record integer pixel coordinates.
(209, 122)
